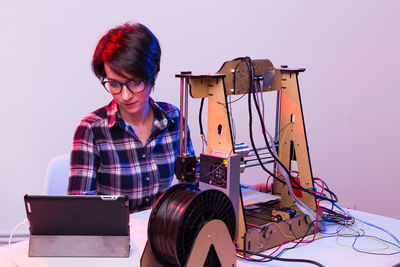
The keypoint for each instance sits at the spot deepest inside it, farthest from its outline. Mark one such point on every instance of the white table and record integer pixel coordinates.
(326, 251)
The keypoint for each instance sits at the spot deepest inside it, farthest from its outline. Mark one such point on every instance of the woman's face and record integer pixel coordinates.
(131, 105)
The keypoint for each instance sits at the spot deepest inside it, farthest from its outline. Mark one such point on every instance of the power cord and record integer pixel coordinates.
(24, 222)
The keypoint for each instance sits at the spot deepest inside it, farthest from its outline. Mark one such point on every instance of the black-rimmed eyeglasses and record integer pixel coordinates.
(115, 87)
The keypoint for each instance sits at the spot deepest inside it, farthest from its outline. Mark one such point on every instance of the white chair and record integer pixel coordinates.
(57, 175)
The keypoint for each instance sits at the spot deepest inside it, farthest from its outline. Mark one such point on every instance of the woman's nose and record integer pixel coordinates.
(126, 93)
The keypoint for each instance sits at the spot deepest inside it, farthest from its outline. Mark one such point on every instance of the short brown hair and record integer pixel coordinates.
(130, 48)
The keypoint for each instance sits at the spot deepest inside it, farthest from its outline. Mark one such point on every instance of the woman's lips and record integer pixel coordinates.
(129, 104)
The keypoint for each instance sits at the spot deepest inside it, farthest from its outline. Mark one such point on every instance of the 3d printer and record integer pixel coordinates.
(264, 225)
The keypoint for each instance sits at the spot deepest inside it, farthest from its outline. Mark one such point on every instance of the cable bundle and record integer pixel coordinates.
(178, 216)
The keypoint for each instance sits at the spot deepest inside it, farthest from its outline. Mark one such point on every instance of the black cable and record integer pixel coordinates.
(278, 259)
(251, 126)
(348, 221)
(375, 253)
(233, 101)
(200, 116)
(332, 195)
(251, 80)
(200, 120)
(338, 218)
(358, 235)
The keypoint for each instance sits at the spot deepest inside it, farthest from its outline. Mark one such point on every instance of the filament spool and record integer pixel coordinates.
(178, 216)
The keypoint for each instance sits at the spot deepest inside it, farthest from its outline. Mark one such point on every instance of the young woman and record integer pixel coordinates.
(128, 147)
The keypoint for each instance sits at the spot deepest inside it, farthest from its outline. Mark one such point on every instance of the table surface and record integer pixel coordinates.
(327, 251)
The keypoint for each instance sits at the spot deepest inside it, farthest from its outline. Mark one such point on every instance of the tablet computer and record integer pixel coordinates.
(78, 225)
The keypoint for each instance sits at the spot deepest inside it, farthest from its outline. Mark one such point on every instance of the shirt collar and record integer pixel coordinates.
(112, 112)
(161, 118)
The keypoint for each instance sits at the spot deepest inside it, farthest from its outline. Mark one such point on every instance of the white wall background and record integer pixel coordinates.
(350, 90)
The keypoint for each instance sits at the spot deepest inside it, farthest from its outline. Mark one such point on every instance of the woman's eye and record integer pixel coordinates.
(132, 84)
(113, 84)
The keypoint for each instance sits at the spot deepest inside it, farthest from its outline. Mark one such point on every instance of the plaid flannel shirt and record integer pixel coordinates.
(108, 158)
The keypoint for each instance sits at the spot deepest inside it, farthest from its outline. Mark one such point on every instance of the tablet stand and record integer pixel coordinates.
(78, 246)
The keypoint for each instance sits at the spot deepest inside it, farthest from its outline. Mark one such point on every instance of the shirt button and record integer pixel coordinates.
(143, 155)
(147, 178)
(146, 199)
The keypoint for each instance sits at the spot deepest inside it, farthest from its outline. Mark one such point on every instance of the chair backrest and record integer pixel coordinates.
(57, 175)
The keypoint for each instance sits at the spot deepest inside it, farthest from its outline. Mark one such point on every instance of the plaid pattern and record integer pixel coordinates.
(107, 157)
